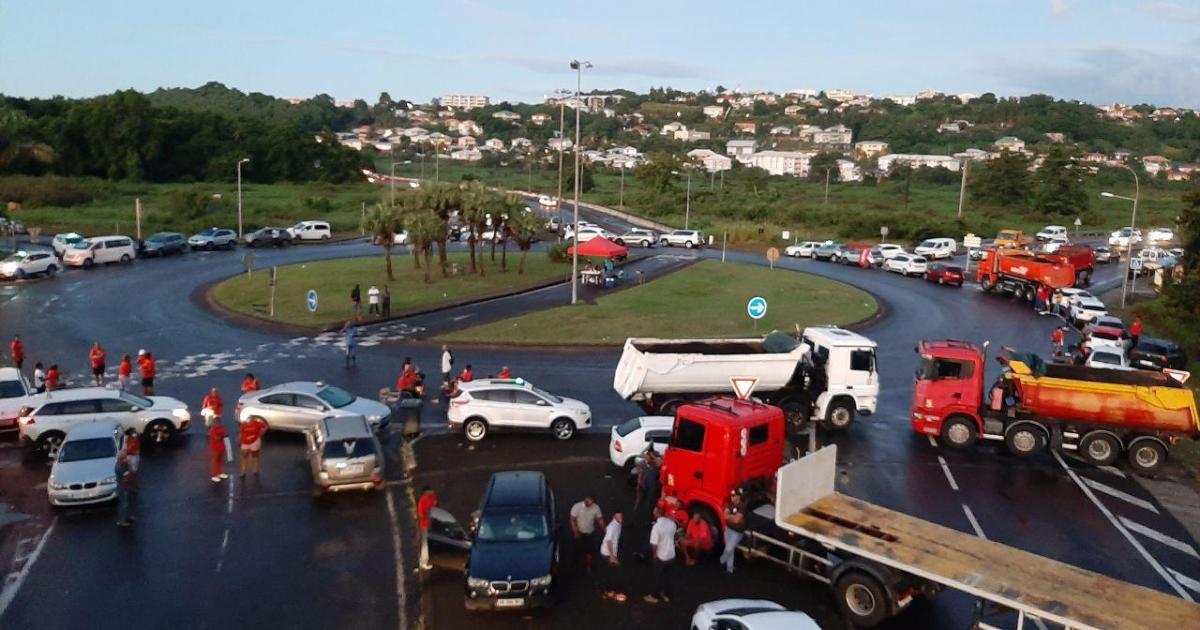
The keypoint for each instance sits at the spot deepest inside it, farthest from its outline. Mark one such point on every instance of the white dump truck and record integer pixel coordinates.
(827, 374)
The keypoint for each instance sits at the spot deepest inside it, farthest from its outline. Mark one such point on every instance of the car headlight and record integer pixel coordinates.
(108, 481)
(54, 485)
(474, 582)
(182, 414)
(374, 419)
(541, 581)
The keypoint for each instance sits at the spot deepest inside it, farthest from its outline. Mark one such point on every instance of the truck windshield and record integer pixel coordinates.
(944, 369)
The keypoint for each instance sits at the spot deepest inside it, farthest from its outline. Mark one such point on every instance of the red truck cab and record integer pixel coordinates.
(718, 446)
(949, 384)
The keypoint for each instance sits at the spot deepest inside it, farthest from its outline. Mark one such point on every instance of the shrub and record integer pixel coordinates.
(47, 190)
(557, 252)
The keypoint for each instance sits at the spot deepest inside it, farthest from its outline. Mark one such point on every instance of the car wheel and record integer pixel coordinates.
(959, 432)
(125, 258)
(1147, 456)
(326, 237)
(688, 244)
(861, 598)
(475, 429)
(1099, 448)
(159, 432)
(664, 243)
(796, 414)
(209, 246)
(21, 275)
(941, 280)
(88, 263)
(50, 442)
(51, 271)
(563, 429)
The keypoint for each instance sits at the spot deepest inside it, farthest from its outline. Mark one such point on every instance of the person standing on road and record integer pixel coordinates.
(124, 372)
(250, 383)
(39, 378)
(467, 375)
(356, 300)
(250, 433)
(1058, 338)
(608, 550)
(1040, 301)
(447, 363)
(148, 368)
(648, 485)
(214, 401)
(216, 447)
(53, 378)
(586, 518)
(18, 351)
(735, 529)
(385, 300)
(124, 479)
(350, 339)
(425, 506)
(97, 357)
(1135, 331)
(373, 300)
(133, 452)
(662, 544)
(504, 372)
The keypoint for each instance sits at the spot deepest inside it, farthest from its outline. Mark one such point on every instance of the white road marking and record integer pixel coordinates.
(221, 557)
(14, 580)
(1156, 535)
(397, 558)
(1112, 470)
(1113, 492)
(462, 317)
(1162, 572)
(1038, 622)
(932, 442)
(1185, 580)
(949, 476)
(974, 523)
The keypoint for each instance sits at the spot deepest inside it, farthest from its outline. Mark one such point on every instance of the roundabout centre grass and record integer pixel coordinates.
(334, 279)
(707, 299)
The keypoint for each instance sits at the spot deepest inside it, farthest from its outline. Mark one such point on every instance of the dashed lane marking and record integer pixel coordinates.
(949, 476)
(1154, 534)
(932, 442)
(14, 580)
(974, 523)
(462, 317)
(1112, 470)
(397, 559)
(1192, 584)
(1124, 496)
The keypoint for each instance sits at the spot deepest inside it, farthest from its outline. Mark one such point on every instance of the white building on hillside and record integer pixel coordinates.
(795, 163)
(466, 155)
(713, 162)
(692, 135)
(835, 136)
(887, 162)
(714, 111)
(464, 101)
(848, 171)
(741, 150)
(1009, 143)
(871, 148)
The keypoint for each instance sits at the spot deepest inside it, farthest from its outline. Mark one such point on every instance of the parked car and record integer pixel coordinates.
(15, 392)
(269, 237)
(1073, 295)
(801, 250)
(749, 614)
(1054, 244)
(907, 264)
(981, 252)
(344, 454)
(299, 405)
(84, 472)
(632, 438)
(1160, 235)
(1125, 237)
(1107, 357)
(514, 554)
(585, 234)
(1107, 337)
(213, 238)
(875, 257)
(311, 231)
(498, 403)
(1154, 258)
(568, 229)
(62, 242)
(1155, 354)
(829, 250)
(1085, 309)
(1102, 254)
(101, 250)
(546, 201)
(164, 243)
(553, 224)
(157, 418)
(499, 234)
(1051, 232)
(851, 255)
(682, 238)
(945, 274)
(638, 236)
(24, 264)
(1107, 321)
(889, 249)
(937, 248)
(401, 238)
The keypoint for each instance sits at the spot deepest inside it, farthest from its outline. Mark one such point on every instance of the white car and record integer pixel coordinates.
(801, 250)
(101, 250)
(547, 201)
(1161, 235)
(157, 418)
(632, 438)
(936, 248)
(1051, 232)
(569, 229)
(1053, 245)
(311, 231)
(637, 236)
(888, 250)
(496, 234)
(749, 614)
(1084, 310)
(1108, 337)
(1073, 295)
(1125, 237)
(588, 233)
(85, 470)
(299, 405)
(15, 392)
(65, 241)
(1108, 358)
(1155, 258)
(682, 238)
(23, 265)
(907, 264)
(495, 403)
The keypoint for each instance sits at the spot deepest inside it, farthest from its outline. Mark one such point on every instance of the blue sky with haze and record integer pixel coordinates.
(1094, 50)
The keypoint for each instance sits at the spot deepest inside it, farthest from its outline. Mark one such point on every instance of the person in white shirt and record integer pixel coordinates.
(447, 363)
(662, 544)
(586, 517)
(608, 550)
(39, 379)
(373, 300)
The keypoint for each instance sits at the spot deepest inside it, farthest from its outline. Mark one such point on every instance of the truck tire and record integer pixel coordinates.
(1024, 439)
(796, 414)
(1147, 456)
(1030, 294)
(959, 432)
(1100, 448)
(840, 415)
(1084, 279)
(987, 284)
(861, 598)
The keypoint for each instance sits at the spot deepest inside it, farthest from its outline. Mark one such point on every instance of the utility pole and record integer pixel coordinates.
(137, 215)
(687, 208)
(363, 222)
(826, 186)
(239, 186)
(578, 67)
(562, 109)
(622, 195)
(962, 191)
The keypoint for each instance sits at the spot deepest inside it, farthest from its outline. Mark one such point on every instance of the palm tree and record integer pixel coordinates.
(474, 211)
(525, 228)
(384, 222)
(513, 207)
(425, 227)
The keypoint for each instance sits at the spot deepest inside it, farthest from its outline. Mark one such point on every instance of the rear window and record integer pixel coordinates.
(689, 436)
(11, 389)
(349, 448)
(629, 426)
(953, 269)
(1105, 334)
(95, 448)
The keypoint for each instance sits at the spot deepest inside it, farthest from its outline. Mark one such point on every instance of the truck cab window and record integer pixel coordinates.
(945, 369)
(758, 434)
(862, 360)
(689, 436)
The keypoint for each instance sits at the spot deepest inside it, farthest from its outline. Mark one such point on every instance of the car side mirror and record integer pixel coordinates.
(137, 408)
(542, 403)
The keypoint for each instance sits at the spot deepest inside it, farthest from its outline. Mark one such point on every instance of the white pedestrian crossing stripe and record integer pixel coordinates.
(1124, 496)
(1191, 583)
(1158, 536)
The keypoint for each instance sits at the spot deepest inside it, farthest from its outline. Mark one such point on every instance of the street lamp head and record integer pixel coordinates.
(243, 160)
(576, 64)
(1107, 194)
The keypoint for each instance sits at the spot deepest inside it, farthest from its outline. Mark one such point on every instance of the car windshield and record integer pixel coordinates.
(336, 396)
(11, 389)
(512, 527)
(928, 244)
(159, 237)
(94, 448)
(80, 244)
(547, 395)
(134, 399)
(208, 232)
(349, 448)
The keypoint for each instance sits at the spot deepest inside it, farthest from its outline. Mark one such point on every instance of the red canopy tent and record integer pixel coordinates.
(600, 247)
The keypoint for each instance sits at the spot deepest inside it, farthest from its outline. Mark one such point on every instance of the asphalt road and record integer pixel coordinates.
(264, 552)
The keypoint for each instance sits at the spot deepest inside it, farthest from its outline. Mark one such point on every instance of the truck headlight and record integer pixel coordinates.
(541, 581)
(474, 582)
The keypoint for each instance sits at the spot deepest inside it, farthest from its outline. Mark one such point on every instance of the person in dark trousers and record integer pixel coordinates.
(124, 479)
(648, 486)
(356, 300)
(39, 378)
(147, 366)
(447, 363)
(97, 357)
(587, 521)
(662, 547)
(425, 505)
(385, 301)
(350, 339)
(18, 351)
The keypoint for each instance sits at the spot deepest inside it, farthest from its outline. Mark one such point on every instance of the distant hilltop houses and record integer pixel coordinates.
(779, 132)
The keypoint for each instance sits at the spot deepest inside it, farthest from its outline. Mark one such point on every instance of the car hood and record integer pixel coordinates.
(365, 407)
(511, 560)
(84, 470)
(575, 405)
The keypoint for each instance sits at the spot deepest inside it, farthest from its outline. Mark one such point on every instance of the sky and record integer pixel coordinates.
(1099, 51)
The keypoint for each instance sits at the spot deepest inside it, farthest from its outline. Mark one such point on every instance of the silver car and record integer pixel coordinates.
(300, 405)
(213, 238)
(639, 237)
(344, 455)
(85, 470)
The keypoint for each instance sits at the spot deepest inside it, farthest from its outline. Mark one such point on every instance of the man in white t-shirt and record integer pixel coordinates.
(662, 544)
(373, 300)
(608, 550)
(586, 519)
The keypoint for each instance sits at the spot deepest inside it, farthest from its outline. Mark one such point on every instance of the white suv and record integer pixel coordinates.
(311, 231)
(1084, 310)
(685, 238)
(801, 250)
(157, 418)
(1051, 232)
(907, 264)
(27, 264)
(496, 403)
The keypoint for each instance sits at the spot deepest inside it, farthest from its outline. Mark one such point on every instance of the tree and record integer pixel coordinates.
(818, 165)
(513, 208)
(525, 227)
(1185, 296)
(1003, 181)
(586, 182)
(384, 222)
(425, 227)
(655, 173)
(1059, 190)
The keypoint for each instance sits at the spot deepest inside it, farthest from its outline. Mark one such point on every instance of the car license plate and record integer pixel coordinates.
(356, 469)
(510, 602)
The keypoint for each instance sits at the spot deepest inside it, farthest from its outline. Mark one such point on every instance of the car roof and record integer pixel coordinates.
(10, 374)
(1108, 330)
(345, 427)
(656, 422)
(302, 387)
(1091, 301)
(515, 488)
(1157, 341)
(92, 430)
(79, 393)
(485, 383)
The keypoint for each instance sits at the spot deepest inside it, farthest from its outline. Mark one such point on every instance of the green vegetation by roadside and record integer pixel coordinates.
(707, 299)
(333, 280)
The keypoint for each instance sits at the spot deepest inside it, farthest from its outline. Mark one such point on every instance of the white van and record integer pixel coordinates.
(937, 248)
(101, 250)
(311, 231)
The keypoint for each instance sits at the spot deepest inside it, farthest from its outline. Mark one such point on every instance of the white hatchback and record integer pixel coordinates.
(85, 470)
(28, 264)
(311, 231)
(749, 614)
(801, 250)
(632, 438)
(907, 264)
(500, 403)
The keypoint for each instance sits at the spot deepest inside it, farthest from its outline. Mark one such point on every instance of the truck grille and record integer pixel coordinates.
(515, 586)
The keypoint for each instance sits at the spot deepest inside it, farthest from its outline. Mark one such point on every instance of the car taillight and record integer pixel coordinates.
(458, 402)
(617, 446)
(26, 420)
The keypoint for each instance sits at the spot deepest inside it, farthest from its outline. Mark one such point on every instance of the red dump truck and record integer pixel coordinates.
(1097, 413)
(1021, 272)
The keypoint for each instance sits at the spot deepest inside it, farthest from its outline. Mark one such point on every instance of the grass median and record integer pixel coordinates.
(707, 299)
(334, 279)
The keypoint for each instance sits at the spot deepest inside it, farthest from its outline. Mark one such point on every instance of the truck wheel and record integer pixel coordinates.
(1147, 456)
(1099, 448)
(1024, 440)
(861, 598)
(1030, 294)
(840, 415)
(1085, 278)
(796, 414)
(959, 432)
(987, 284)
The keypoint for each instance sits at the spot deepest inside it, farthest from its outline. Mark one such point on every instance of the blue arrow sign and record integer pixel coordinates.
(756, 307)
(312, 301)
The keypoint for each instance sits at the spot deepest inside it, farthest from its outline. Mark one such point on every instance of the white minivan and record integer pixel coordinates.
(937, 248)
(101, 250)
(311, 231)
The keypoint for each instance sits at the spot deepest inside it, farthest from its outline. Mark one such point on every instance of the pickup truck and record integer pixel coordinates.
(828, 375)
(1096, 413)
(1012, 239)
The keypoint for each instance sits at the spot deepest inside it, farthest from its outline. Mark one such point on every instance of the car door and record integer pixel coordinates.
(533, 411)
(77, 411)
(308, 410)
(277, 410)
(120, 412)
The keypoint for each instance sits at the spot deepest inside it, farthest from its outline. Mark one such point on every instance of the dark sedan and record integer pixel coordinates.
(269, 236)
(1155, 354)
(164, 243)
(945, 274)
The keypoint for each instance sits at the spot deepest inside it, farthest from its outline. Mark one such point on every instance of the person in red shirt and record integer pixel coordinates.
(467, 375)
(1058, 339)
(1135, 330)
(133, 455)
(97, 357)
(696, 540)
(18, 351)
(216, 451)
(124, 372)
(250, 434)
(213, 401)
(425, 505)
(407, 381)
(53, 378)
(250, 383)
(147, 366)
(504, 373)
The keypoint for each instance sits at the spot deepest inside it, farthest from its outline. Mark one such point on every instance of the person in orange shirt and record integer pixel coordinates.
(408, 380)
(53, 378)
(696, 540)
(425, 505)
(124, 372)
(147, 366)
(18, 351)
(216, 451)
(213, 401)
(250, 383)
(250, 434)
(96, 355)
(133, 453)
(504, 373)
(467, 375)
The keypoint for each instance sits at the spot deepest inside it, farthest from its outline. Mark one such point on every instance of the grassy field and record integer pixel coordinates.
(333, 281)
(711, 293)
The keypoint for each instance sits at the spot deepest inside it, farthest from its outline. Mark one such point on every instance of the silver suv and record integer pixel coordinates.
(684, 238)
(494, 403)
(344, 455)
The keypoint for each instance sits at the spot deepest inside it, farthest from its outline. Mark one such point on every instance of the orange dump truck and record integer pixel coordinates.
(1021, 272)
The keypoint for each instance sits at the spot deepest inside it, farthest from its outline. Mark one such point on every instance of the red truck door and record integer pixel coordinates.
(684, 463)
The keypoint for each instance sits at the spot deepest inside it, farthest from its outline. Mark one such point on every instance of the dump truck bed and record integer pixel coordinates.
(1022, 581)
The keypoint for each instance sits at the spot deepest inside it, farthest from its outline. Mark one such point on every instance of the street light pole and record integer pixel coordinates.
(394, 182)
(962, 190)
(578, 67)
(1137, 193)
(239, 178)
(562, 117)
(687, 203)
(621, 198)
(827, 186)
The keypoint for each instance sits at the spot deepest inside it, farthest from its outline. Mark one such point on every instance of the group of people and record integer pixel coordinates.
(251, 430)
(50, 378)
(598, 273)
(379, 301)
(1078, 354)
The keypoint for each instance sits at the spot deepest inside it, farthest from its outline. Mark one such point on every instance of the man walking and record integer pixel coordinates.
(18, 351)
(1135, 331)
(96, 356)
(662, 544)
(425, 505)
(356, 300)
(121, 470)
(216, 447)
(147, 367)
(735, 529)
(608, 550)
(250, 434)
(586, 518)
(350, 339)
(373, 300)
(447, 363)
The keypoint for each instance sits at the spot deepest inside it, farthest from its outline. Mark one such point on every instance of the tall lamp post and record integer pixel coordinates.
(239, 178)
(578, 67)
(687, 203)
(394, 179)
(1129, 248)
(621, 197)
(562, 94)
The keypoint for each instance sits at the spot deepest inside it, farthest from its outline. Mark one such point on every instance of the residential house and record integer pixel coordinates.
(1166, 113)
(608, 112)
(1094, 158)
(803, 94)
(713, 162)
(781, 131)
(714, 111)
(745, 127)
(741, 150)
(540, 118)
(383, 146)
(559, 144)
(891, 160)
(626, 151)
(466, 142)
(870, 148)
(464, 101)
(1056, 137)
(413, 132)
(521, 142)
(966, 97)
(595, 156)
(839, 95)
(692, 135)
(438, 139)
(1178, 175)
(624, 161)
(792, 110)
(466, 128)
(835, 136)
(507, 115)
(495, 144)
(670, 128)
(975, 155)
(795, 163)
(902, 100)
(1122, 154)
(848, 171)
(805, 132)
(949, 127)
(1155, 164)
(466, 155)
(1009, 143)
(928, 95)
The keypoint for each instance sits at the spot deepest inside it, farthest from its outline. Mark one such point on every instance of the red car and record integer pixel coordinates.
(945, 274)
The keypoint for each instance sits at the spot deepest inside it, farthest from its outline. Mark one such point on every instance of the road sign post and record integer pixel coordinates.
(1078, 223)
(883, 232)
(312, 301)
(274, 273)
(756, 308)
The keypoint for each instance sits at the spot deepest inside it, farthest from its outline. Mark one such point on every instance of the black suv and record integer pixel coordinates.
(1155, 354)
(515, 551)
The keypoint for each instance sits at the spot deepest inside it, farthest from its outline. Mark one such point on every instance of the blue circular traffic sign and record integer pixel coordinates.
(312, 301)
(756, 307)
